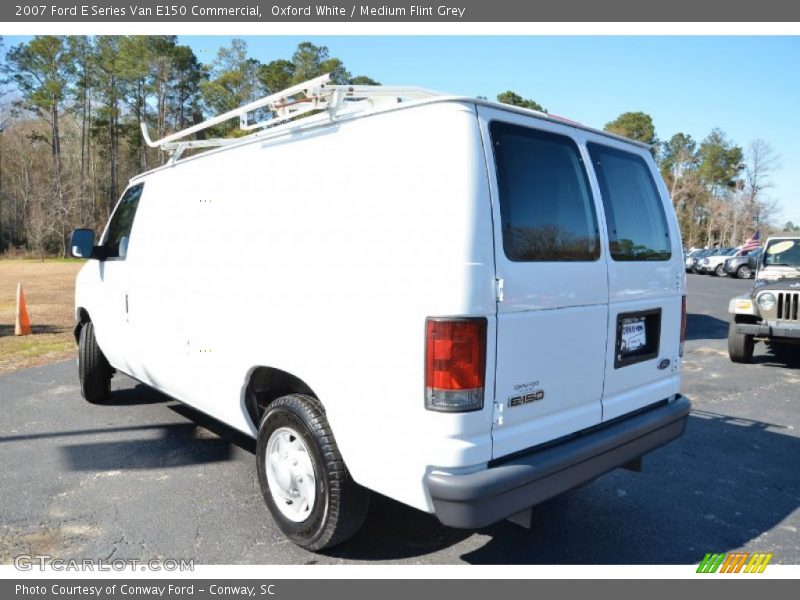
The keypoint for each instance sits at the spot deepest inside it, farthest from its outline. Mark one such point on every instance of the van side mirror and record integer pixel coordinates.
(81, 243)
(752, 262)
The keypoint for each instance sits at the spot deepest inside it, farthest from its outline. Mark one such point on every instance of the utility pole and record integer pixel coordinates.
(739, 187)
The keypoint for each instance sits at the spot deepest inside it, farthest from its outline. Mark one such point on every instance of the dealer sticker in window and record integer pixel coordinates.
(634, 335)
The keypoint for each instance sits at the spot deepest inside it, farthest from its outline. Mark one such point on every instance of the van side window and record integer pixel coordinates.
(121, 222)
(546, 207)
(637, 225)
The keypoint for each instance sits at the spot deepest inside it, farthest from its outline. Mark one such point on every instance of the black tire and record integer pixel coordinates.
(93, 368)
(341, 504)
(720, 271)
(740, 345)
(744, 272)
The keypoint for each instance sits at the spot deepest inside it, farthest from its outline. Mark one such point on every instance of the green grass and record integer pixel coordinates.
(49, 293)
(33, 350)
(31, 346)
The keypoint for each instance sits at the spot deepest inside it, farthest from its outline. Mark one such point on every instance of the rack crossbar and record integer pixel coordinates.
(310, 96)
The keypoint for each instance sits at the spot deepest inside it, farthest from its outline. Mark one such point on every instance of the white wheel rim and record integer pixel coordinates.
(290, 474)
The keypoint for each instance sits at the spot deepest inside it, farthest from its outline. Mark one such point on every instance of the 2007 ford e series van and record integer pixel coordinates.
(462, 305)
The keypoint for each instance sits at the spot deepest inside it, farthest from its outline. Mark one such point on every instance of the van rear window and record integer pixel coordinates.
(637, 225)
(546, 207)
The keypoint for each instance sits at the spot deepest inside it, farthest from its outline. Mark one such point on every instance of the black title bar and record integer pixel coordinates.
(455, 11)
(731, 588)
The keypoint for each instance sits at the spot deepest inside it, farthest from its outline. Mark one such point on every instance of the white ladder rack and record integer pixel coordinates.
(310, 96)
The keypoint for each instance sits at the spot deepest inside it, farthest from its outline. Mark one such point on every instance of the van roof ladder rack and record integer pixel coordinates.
(285, 106)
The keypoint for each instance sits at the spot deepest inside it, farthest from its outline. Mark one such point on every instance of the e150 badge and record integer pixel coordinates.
(521, 399)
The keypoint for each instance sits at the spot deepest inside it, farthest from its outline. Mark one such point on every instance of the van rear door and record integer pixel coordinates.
(552, 320)
(645, 278)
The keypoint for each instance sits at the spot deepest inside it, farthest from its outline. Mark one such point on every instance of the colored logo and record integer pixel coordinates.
(735, 562)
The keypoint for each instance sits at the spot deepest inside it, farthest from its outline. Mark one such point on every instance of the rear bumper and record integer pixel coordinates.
(482, 498)
(762, 330)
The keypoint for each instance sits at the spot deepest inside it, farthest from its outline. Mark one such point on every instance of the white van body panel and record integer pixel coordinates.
(284, 270)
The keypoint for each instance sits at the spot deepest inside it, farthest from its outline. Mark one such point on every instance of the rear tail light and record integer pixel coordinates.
(455, 364)
(683, 323)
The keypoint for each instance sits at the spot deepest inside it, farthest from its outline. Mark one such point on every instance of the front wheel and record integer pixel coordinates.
(303, 478)
(93, 368)
(744, 272)
(740, 345)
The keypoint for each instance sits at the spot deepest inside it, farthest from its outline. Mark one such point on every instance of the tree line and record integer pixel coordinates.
(719, 189)
(70, 121)
(70, 136)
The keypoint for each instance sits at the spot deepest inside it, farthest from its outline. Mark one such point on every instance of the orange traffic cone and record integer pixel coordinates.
(23, 324)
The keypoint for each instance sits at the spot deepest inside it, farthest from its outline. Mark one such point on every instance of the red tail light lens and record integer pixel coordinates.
(683, 323)
(455, 364)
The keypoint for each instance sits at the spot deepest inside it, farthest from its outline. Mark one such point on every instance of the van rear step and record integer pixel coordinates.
(485, 497)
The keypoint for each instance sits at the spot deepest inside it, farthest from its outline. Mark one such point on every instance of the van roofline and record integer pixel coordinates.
(437, 99)
(557, 119)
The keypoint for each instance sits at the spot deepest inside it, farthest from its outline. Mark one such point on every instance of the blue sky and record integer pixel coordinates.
(748, 86)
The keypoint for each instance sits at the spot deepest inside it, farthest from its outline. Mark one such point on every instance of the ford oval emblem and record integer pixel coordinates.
(663, 364)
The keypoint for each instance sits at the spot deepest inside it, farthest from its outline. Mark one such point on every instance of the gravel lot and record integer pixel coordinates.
(146, 477)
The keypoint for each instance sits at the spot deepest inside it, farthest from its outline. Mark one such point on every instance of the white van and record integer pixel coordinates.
(462, 305)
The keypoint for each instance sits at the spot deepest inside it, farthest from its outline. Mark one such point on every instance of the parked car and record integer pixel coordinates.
(689, 258)
(738, 266)
(693, 262)
(396, 296)
(771, 311)
(713, 264)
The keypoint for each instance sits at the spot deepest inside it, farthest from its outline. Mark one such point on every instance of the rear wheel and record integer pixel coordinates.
(744, 272)
(93, 368)
(740, 345)
(719, 271)
(303, 478)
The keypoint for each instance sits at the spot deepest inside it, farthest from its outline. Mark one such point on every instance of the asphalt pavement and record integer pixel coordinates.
(145, 477)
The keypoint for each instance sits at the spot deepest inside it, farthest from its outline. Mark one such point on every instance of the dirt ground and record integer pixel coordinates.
(49, 292)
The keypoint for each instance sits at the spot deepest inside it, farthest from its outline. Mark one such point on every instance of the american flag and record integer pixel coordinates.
(753, 242)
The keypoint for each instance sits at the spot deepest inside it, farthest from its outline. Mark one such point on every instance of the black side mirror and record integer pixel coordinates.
(81, 243)
(752, 262)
